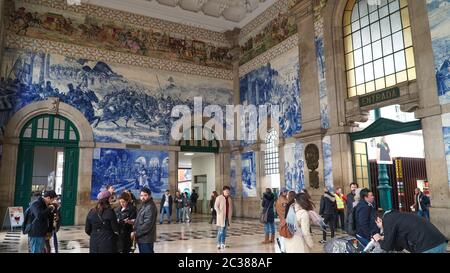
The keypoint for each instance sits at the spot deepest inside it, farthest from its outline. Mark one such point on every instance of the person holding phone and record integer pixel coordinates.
(126, 214)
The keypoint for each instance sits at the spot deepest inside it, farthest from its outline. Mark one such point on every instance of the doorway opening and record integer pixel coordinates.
(48, 160)
(197, 166)
(394, 139)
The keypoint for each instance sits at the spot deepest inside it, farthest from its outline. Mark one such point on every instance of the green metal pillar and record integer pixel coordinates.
(384, 189)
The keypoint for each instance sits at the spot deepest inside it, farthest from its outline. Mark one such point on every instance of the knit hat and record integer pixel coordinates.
(103, 195)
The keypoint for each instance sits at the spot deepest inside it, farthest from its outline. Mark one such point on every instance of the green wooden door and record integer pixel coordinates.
(55, 131)
(69, 198)
(24, 175)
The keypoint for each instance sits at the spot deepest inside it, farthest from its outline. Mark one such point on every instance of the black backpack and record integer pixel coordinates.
(351, 229)
(27, 221)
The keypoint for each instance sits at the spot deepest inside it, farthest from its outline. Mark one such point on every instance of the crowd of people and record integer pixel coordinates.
(358, 216)
(116, 225)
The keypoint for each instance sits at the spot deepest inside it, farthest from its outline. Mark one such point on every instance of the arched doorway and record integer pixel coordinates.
(197, 167)
(48, 158)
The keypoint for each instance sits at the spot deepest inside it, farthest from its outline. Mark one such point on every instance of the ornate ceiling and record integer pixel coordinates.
(217, 15)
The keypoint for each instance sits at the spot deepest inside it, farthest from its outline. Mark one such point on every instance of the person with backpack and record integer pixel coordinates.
(102, 226)
(194, 198)
(54, 224)
(269, 225)
(36, 221)
(298, 221)
(421, 204)
(178, 200)
(186, 208)
(328, 212)
(351, 216)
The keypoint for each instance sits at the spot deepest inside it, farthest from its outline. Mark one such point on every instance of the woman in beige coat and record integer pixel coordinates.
(302, 241)
(224, 210)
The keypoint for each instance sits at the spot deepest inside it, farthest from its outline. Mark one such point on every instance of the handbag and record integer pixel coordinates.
(284, 230)
(264, 213)
(263, 217)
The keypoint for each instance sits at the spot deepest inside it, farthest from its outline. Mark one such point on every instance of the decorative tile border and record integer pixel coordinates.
(75, 51)
(270, 54)
(264, 17)
(135, 19)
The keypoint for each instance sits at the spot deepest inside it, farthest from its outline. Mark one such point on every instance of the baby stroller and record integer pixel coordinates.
(351, 244)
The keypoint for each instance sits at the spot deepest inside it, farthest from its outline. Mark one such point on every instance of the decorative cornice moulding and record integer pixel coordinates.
(75, 51)
(269, 55)
(135, 19)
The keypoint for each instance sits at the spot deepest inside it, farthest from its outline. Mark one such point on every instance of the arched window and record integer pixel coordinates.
(271, 154)
(50, 128)
(378, 45)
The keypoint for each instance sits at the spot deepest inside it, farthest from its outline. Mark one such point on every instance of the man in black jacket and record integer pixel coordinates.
(365, 217)
(328, 212)
(37, 221)
(165, 207)
(409, 231)
(350, 200)
(145, 223)
(421, 204)
(194, 198)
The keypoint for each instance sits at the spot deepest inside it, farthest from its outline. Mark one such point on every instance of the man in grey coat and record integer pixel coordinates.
(145, 223)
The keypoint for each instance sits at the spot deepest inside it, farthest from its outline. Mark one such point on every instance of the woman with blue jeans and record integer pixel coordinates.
(269, 226)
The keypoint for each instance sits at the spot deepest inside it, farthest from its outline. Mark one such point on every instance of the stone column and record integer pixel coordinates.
(309, 88)
(430, 114)
(173, 171)
(8, 174)
(84, 202)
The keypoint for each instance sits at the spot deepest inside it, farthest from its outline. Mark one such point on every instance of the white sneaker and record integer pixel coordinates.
(222, 246)
(219, 246)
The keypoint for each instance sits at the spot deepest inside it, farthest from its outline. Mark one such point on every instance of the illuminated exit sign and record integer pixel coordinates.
(374, 98)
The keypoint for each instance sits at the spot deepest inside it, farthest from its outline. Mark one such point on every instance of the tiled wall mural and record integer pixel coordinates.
(446, 132)
(327, 162)
(248, 161)
(122, 103)
(233, 175)
(320, 55)
(131, 170)
(267, 30)
(276, 83)
(294, 166)
(64, 26)
(439, 18)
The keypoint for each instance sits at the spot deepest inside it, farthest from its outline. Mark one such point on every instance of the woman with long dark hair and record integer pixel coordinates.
(211, 205)
(101, 226)
(126, 214)
(299, 225)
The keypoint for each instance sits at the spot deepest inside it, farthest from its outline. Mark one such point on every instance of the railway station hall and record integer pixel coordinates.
(224, 126)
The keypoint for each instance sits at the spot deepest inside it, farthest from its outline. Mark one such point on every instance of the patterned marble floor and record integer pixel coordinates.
(244, 236)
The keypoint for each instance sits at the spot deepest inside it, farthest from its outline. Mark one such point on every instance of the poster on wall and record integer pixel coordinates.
(294, 166)
(233, 175)
(13, 217)
(248, 160)
(383, 150)
(130, 170)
